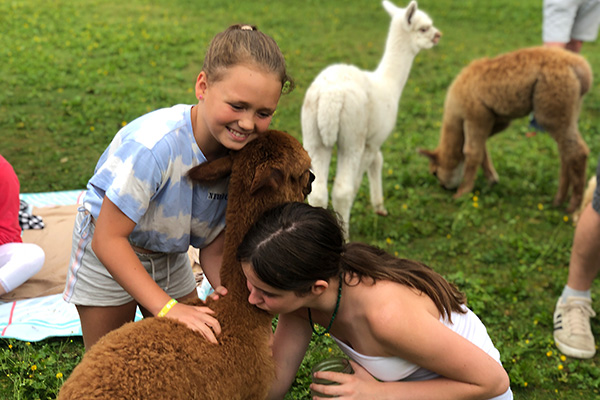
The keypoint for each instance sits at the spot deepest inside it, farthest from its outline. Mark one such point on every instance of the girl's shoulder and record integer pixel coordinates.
(391, 303)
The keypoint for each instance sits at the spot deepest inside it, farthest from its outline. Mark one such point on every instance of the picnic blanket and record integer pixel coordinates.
(36, 310)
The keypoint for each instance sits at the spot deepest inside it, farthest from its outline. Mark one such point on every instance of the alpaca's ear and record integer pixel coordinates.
(266, 176)
(390, 7)
(211, 171)
(411, 9)
(432, 155)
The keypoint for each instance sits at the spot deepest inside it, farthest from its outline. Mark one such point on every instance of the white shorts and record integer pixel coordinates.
(570, 19)
(90, 284)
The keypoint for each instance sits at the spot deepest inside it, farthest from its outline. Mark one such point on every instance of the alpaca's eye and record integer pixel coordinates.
(423, 30)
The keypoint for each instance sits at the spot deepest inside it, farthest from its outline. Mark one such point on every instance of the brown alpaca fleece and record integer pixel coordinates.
(159, 358)
(489, 93)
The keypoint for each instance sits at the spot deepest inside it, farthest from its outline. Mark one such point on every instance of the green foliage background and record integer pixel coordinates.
(73, 72)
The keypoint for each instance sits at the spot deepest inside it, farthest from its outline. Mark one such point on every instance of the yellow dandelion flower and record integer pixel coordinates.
(448, 236)
(560, 367)
(549, 353)
(404, 207)
(524, 384)
(563, 358)
(396, 254)
(390, 171)
(327, 334)
(10, 346)
(123, 123)
(329, 349)
(566, 218)
(476, 205)
(526, 341)
(475, 198)
(535, 321)
(92, 128)
(540, 206)
(33, 367)
(388, 240)
(397, 187)
(59, 375)
(28, 344)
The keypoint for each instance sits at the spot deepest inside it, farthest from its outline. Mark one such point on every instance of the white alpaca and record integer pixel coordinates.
(358, 109)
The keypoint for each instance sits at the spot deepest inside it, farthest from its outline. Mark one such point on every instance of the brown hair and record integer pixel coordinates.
(245, 44)
(293, 245)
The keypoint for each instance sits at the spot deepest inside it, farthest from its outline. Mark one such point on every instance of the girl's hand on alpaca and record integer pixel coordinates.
(198, 319)
(219, 292)
(351, 386)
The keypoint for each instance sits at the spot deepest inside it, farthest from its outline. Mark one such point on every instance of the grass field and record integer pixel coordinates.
(73, 72)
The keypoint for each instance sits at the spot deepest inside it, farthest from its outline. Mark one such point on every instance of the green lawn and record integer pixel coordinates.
(73, 72)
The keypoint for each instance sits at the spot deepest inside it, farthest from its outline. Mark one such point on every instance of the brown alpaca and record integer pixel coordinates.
(489, 93)
(159, 358)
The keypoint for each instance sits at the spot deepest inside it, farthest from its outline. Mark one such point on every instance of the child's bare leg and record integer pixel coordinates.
(98, 321)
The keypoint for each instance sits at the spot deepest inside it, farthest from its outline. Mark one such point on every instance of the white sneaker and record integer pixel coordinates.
(572, 330)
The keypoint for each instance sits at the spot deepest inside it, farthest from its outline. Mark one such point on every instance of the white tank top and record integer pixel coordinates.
(390, 369)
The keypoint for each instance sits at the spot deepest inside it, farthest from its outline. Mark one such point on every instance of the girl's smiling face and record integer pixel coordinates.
(236, 107)
(268, 298)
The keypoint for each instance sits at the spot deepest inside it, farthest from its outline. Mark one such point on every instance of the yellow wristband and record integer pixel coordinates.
(166, 308)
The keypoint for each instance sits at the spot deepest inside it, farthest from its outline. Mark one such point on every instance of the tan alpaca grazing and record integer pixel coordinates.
(160, 358)
(489, 93)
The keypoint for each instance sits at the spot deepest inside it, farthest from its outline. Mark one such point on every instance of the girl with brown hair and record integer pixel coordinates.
(405, 328)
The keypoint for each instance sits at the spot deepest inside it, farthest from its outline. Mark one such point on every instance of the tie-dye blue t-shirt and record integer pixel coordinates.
(143, 172)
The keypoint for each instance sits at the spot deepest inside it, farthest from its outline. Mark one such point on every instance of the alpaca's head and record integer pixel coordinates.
(415, 23)
(272, 168)
(448, 171)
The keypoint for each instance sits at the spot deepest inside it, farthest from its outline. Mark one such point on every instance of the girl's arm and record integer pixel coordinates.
(211, 258)
(111, 245)
(292, 336)
(409, 331)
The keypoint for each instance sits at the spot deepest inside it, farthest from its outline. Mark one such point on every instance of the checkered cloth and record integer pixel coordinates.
(27, 220)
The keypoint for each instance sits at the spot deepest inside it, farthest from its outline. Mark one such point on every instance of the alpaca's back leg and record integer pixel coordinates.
(345, 186)
(320, 160)
(557, 105)
(320, 155)
(374, 173)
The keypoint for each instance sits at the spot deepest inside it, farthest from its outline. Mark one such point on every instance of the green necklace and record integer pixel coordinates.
(337, 305)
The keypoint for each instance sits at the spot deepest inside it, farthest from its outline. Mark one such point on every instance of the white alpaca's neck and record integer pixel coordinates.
(396, 62)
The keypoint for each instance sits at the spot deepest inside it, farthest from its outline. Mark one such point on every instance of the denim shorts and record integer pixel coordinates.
(90, 284)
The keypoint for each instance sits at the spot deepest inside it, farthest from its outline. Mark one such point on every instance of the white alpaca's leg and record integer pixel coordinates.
(319, 153)
(347, 181)
(376, 184)
(320, 159)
